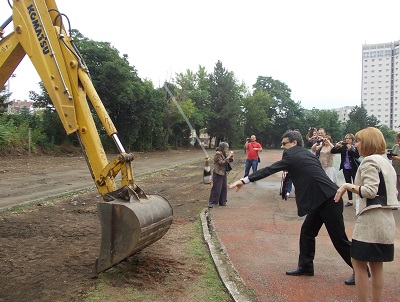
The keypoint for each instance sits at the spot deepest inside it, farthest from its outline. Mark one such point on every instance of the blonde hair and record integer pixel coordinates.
(372, 141)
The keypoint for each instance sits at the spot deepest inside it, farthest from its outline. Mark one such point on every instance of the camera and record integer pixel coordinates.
(390, 154)
(247, 139)
(343, 143)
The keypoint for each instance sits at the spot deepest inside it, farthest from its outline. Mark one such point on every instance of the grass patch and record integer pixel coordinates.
(213, 288)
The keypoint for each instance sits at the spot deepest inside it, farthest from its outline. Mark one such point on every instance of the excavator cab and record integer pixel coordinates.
(130, 219)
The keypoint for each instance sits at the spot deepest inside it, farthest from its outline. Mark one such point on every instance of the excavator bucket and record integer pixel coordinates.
(129, 226)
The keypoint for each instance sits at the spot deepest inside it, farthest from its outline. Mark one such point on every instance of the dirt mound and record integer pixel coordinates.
(48, 249)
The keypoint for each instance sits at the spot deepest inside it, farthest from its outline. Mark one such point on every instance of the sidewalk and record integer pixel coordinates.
(260, 232)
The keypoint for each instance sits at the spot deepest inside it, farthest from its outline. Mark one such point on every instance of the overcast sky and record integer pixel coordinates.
(314, 47)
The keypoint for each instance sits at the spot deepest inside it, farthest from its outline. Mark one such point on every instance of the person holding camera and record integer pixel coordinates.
(317, 139)
(252, 160)
(325, 157)
(348, 161)
(313, 139)
(219, 190)
(394, 156)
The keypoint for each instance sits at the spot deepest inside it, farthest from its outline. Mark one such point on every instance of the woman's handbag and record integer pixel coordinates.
(381, 197)
(259, 160)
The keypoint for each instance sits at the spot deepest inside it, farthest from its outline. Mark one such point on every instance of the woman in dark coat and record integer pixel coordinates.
(348, 162)
(218, 194)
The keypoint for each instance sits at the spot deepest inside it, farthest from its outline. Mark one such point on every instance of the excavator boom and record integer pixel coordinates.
(130, 219)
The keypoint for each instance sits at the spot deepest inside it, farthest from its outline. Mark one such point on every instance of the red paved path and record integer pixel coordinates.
(260, 233)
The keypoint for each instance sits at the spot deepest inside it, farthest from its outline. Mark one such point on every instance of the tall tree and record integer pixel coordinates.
(195, 86)
(118, 85)
(285, 114)
(256, 113)
(225, 103)
(4, 96)
(359, 119)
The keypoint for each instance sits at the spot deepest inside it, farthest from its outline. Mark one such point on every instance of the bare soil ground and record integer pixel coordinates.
(47, 250)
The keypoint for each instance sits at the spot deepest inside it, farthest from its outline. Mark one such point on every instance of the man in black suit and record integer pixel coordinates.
(315, 194)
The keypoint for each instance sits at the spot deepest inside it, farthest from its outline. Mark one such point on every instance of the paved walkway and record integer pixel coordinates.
(260, 232)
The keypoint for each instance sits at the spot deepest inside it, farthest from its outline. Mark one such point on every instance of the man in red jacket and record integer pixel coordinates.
(252, 149)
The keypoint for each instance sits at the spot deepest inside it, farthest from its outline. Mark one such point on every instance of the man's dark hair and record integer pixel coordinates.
(294, 135)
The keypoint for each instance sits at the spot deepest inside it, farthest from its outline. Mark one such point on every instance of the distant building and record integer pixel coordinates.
(15, 106)
(343, 113)
(380, 82)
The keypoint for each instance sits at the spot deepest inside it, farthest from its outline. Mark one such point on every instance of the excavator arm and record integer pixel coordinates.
(130, 219)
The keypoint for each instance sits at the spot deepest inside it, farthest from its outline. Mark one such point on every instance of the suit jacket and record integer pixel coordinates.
(313, 186)
(352, 152)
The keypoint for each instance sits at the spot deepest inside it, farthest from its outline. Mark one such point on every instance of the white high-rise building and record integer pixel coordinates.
(380, 82)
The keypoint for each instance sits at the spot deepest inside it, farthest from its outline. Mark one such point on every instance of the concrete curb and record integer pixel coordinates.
(225, 269)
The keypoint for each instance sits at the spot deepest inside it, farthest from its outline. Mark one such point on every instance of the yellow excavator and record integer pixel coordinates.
(130, 219)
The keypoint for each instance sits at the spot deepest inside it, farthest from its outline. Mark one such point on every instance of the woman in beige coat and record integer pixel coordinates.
(374, 231)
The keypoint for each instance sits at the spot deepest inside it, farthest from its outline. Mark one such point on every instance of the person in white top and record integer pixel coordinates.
(323, 151)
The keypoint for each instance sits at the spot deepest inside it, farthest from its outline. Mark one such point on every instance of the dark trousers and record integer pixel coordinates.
(349, 176)
(219, 190)
(331, 214)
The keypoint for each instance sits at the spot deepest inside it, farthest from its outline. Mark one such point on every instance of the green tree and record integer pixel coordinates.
(359, 119)
(176, 130)
(256, 113)
(117, 85)
(195, 86)
(284, 114)
(4, 96)
(390, 136)
(41, 99)
(226, 105)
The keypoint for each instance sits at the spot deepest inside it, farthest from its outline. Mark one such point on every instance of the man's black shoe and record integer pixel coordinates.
(300, 271)
(352, 279)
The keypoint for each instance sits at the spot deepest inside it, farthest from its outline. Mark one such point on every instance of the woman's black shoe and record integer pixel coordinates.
(348, 204)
